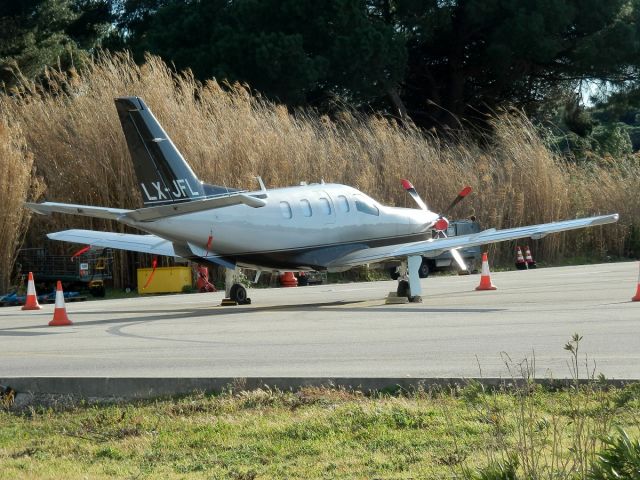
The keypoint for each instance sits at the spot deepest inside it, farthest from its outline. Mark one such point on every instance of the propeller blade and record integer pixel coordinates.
(458, 258)
(406, 184)
(463, 193)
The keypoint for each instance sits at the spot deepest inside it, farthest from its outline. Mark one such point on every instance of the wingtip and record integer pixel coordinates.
(35, 207)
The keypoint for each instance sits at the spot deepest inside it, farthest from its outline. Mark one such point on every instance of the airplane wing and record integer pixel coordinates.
(434, 247)
(124, 241)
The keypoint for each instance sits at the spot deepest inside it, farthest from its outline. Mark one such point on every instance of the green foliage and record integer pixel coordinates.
(311, 433)
(496, 470)
(478, 55)
(443, 60)
(606, 130)
(619, 460)
(35, 34)
(612, 139)
(473, 391)
(297, 52)
(629, 396)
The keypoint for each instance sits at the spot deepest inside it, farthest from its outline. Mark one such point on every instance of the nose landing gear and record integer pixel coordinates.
(409, 287)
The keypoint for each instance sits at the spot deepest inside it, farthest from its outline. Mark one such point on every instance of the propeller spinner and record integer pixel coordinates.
(442, 224)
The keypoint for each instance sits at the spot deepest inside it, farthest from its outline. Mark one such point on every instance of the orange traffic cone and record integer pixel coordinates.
(521, 264)
(32, 299)
(529, 258)
(636, 298)
(288, 280)
(485, 277)
(60, 312)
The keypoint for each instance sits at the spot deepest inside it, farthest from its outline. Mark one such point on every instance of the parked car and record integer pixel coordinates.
(311, 278)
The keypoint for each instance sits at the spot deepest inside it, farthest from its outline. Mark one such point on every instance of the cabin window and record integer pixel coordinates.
(285, 209)
(366, 207)
(325, 206)
(306, 207)
(343, 203)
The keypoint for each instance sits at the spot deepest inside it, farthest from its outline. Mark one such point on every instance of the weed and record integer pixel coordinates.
(559, 441)
(619, 459)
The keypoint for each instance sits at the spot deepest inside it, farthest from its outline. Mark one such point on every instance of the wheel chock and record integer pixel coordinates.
(227, 302)
(394, 299)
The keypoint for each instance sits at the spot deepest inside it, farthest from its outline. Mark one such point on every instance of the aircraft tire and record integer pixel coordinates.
(393, 273)
(403, 289)
(239, 294)
(423, 271)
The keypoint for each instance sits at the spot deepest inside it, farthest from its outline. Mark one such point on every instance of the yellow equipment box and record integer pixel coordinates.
(165, 279)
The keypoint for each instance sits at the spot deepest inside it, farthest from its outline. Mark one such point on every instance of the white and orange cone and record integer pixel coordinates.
(485, 276)
(60, 312)
(529, 258)
(521, 264)
(31, 302)
(636, 298)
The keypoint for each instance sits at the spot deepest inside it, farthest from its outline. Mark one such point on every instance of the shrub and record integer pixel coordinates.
(619, 460)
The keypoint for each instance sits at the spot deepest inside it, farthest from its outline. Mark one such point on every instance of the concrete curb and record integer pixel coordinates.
(146, 387)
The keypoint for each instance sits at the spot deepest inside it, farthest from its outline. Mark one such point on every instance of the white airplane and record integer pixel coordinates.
(326, 227)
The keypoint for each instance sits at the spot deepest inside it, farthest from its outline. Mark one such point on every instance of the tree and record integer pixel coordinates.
(299, 52)
(35, 34)
(469, 57)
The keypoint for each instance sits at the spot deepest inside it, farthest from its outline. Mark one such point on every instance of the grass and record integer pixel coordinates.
(71, 135)
(313, 433)
(521, 430)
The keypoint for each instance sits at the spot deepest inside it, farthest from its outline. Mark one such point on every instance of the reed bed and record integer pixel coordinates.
(17, 184)
(71, 133)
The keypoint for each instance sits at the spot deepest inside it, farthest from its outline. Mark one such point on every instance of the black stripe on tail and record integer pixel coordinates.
(163, 174)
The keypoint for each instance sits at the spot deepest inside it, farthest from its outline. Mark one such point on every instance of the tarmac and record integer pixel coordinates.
(340, 331)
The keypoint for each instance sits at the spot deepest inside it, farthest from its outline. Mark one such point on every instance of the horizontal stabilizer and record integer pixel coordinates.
(122, 241)
(47, 208)
(155, 213)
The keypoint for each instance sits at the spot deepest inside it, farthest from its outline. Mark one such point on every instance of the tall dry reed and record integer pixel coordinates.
(16, 185)
(229, 136)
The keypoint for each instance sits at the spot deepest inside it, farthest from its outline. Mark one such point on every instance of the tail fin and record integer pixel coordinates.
(164, 175)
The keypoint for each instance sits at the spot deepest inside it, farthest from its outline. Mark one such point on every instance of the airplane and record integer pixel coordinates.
(322, 226)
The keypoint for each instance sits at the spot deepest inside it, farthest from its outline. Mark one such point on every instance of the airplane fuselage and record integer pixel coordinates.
(301, 227)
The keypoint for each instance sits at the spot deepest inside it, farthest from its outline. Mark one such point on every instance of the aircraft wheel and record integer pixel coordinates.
(472, 266)
(423, 271)
(239, 294)
(403, 289)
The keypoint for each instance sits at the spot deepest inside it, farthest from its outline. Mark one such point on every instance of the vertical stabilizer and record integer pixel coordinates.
(163, 174)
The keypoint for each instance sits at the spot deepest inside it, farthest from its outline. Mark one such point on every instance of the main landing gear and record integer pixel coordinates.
(409, 288)
(235, 292)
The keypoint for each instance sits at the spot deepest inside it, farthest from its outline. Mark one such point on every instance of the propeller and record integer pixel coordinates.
(408, 186)
(441, 224)
(458, 258)
(463, 193)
